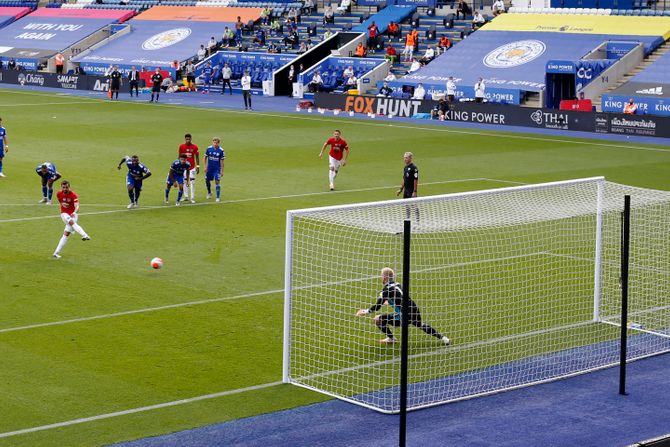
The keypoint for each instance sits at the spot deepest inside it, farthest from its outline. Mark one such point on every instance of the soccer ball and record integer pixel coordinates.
(156, 263)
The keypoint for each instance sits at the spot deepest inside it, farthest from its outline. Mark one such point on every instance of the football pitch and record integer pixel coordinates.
(97, 347)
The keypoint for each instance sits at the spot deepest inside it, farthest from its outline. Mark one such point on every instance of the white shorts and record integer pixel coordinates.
(66, 218)
(409, 49)
(191, 174)
(334, 163)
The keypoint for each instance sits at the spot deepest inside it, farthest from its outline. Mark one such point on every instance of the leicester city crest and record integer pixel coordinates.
(166, 38)
(514, 54)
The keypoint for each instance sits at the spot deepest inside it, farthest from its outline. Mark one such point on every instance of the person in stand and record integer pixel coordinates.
(463, 8)
(443, 44)
(393, 30)
(408, 51)
(239, 26)
(360, 50)
(385, 90)
(190, 74)
(134, 81)
(498, 8)
(157, 81)
(392, 295)
(226, 74)
(115, 83)
(630, 108)
(391, 54)
(69, 207)
(480, 91)
(291, 79)
(478, 21)
(59, 59)
(246, 90)
(440, 110)
(373, 32)
(316, 83)
(451, 89)
(48, 174)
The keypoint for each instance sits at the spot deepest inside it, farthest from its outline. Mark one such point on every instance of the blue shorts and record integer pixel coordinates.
(133, 182)
(213, 175)
(207, 81)
(178, 178)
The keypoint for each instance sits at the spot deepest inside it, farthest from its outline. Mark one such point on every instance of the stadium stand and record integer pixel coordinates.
(331, 70)
(35, 38)
(650, 90)
(512, 51)
(161, 35)
(9, 14)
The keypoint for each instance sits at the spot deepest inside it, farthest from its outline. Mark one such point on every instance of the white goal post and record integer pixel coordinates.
(523, 280)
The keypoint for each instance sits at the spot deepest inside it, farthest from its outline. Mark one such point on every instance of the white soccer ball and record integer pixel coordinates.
(157, 263)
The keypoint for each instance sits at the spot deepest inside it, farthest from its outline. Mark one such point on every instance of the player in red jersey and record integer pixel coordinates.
(339, 152)
(69, 206)
(193, 157)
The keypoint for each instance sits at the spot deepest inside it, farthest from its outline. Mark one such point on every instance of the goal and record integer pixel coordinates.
(523, 280)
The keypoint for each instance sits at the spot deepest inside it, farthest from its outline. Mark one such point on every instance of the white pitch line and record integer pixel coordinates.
(47, 104)
(123, 209)
(139, 409)
(249, 295)
(138, 311)
(509, 134)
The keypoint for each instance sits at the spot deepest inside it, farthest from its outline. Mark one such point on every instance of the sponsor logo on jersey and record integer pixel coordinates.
(166, 38)
(514, 54)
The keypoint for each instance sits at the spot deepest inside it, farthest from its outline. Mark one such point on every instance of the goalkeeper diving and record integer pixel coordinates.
(392, 295)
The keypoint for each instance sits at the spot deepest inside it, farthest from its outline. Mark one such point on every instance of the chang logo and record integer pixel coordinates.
(514, 54)
(166, 38)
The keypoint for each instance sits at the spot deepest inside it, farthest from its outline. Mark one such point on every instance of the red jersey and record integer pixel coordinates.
(67, 201)
(337, 147)
(191, 150)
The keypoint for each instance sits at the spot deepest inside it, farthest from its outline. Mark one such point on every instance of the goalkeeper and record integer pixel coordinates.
(392, 295)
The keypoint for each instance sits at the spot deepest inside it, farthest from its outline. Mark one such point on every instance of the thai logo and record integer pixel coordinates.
(514, 54)
(166, 38)
(536, 116)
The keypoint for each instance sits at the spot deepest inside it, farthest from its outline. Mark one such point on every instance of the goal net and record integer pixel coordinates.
(525, 281)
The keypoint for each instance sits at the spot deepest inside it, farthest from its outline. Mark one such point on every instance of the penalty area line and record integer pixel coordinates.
(139, 409)
(139, 311)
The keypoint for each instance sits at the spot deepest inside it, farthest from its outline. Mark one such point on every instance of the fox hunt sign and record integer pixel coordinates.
(384, 106)
(505, 115)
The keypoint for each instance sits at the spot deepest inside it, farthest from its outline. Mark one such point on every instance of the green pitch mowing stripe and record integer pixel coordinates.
(103, 333)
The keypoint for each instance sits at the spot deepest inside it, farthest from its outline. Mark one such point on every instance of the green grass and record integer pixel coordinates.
(234, 250)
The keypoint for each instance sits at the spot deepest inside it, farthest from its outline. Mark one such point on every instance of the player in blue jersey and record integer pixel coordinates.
(207, 73)
(137, 173)
(4, 146)
(215, 157)
(48, 173)
(176, 177)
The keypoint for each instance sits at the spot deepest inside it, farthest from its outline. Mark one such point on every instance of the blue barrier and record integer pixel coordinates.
(385, 16)
(511, 62)
(151, 43)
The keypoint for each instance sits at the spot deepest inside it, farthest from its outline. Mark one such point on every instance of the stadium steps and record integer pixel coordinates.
(650, 59)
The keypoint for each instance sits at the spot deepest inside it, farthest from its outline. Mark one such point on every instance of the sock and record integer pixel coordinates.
(331, 176)
(152, 96)
(44, 191)
(0, 165)
(131, 195)
(137, 195)
(167, 193)
(218, 191)
(186, 188)
(192, 188)
(61, 244)
(79, 230)
(50, 193)
(208, 184)
(179, 195)
(157, 96)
